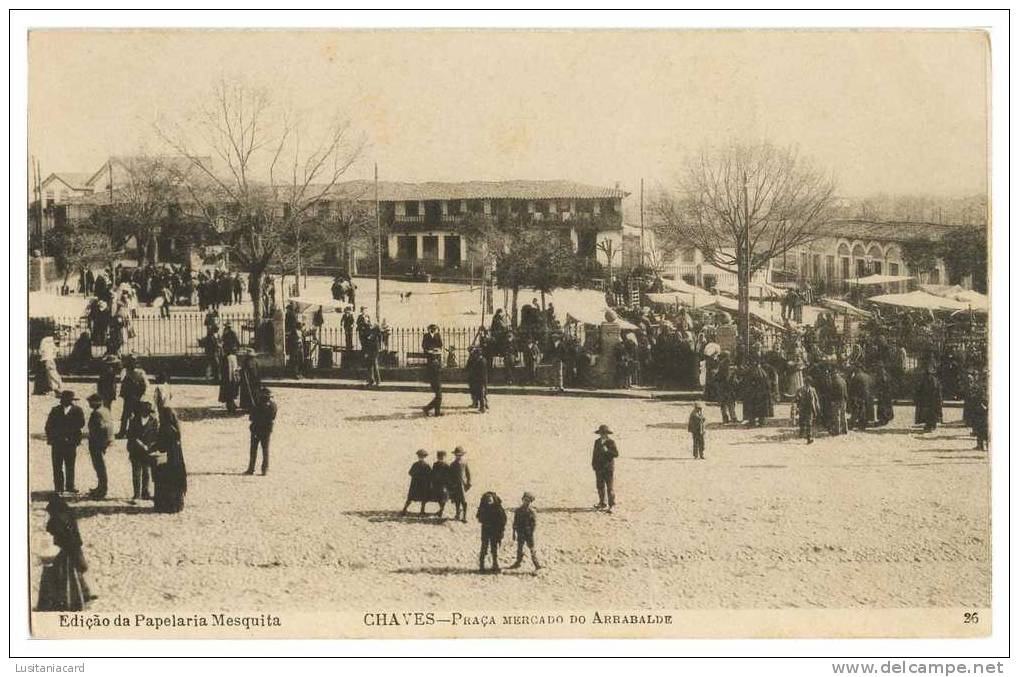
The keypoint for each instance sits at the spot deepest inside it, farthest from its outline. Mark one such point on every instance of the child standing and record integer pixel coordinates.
(492, 516)
(524, 522)
(696, 427)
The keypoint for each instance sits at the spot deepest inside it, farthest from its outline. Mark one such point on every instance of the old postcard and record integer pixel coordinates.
(508, 334)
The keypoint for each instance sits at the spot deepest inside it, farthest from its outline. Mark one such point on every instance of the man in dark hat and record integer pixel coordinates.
(133, 385)
(431, 345)
(603, 461)
(106, 386)
(459, 483)
(928, 400)
(808, 407)
(142, 435)
(63, 433)
(100, 436)
(262, 417)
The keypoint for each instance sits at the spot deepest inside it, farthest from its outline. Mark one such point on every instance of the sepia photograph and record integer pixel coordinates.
(490, 333)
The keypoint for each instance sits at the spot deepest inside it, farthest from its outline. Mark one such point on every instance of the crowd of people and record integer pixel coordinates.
(151, 431)
(832, 384)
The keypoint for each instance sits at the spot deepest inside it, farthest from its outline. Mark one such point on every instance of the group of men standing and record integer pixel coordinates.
(149, 426)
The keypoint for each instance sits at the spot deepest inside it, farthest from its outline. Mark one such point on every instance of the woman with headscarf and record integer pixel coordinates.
(48, 378)
(169, 474)
(62, 586)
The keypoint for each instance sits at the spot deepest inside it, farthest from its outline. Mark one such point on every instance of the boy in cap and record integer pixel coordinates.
(696, 426)
(100, 436)
(142, 435)
(440, 481)
(603, 461)
(420, 482)
(459, 483)
(63, 432)
(524, 522)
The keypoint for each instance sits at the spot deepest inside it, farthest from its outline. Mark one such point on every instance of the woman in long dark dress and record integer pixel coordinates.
(251, 383)
(63, 587)
(169, 474)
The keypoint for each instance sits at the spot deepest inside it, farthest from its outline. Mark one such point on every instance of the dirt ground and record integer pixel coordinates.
(886, 518)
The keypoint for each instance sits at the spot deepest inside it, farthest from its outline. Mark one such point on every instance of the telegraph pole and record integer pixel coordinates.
(378, 251)
(642, 222)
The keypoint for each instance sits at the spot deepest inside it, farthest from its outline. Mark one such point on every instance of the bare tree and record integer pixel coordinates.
(256, 177)
(743, 205)
(607, 247)
(140, 190)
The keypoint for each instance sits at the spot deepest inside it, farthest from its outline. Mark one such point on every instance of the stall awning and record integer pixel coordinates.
(757, 290)
(974, 299)
(879, 279)
(840, 306)
(594, 317)
(732, 306)
(305, 304)
(921, 300)
(698, 300)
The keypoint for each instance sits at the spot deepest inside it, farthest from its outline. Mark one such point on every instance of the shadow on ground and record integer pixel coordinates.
(205, 413)
(397, 516)
(82, 511)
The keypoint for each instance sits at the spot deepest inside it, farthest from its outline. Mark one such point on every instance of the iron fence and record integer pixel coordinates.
(181, 334)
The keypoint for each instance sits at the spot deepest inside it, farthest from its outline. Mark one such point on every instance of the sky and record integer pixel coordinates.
(886, 111)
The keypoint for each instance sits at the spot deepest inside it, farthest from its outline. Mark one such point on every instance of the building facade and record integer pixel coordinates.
(427, 224)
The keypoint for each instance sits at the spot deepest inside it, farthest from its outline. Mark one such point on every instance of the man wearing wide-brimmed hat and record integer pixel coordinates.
(100, 436)
(142, 435)
(262, 417)
(603, 461)
(106, 386)
(63, 433)
(133, 385)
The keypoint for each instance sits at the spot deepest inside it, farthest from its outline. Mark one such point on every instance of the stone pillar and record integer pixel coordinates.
(442, 248)
(463, 250)
(279, 336)
(609, 334)
(421, 246)
(391, 246)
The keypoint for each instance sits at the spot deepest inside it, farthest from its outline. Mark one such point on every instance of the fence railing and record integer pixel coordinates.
(181, 334)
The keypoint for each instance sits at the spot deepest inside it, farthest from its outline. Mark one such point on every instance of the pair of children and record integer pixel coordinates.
(493, 524)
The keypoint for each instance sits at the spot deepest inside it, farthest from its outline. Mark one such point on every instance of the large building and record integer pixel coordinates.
(845, 251)
(426, 222)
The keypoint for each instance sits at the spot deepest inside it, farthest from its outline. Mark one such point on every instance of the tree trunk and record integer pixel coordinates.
(255, 285)
(743, 322)
(542, 300)
(513, 314)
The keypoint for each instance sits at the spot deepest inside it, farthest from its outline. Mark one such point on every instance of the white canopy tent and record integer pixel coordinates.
(840, 306)
(594, 317)
(306, 304)
(879, 279)
(921, 300)
(973, 299)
